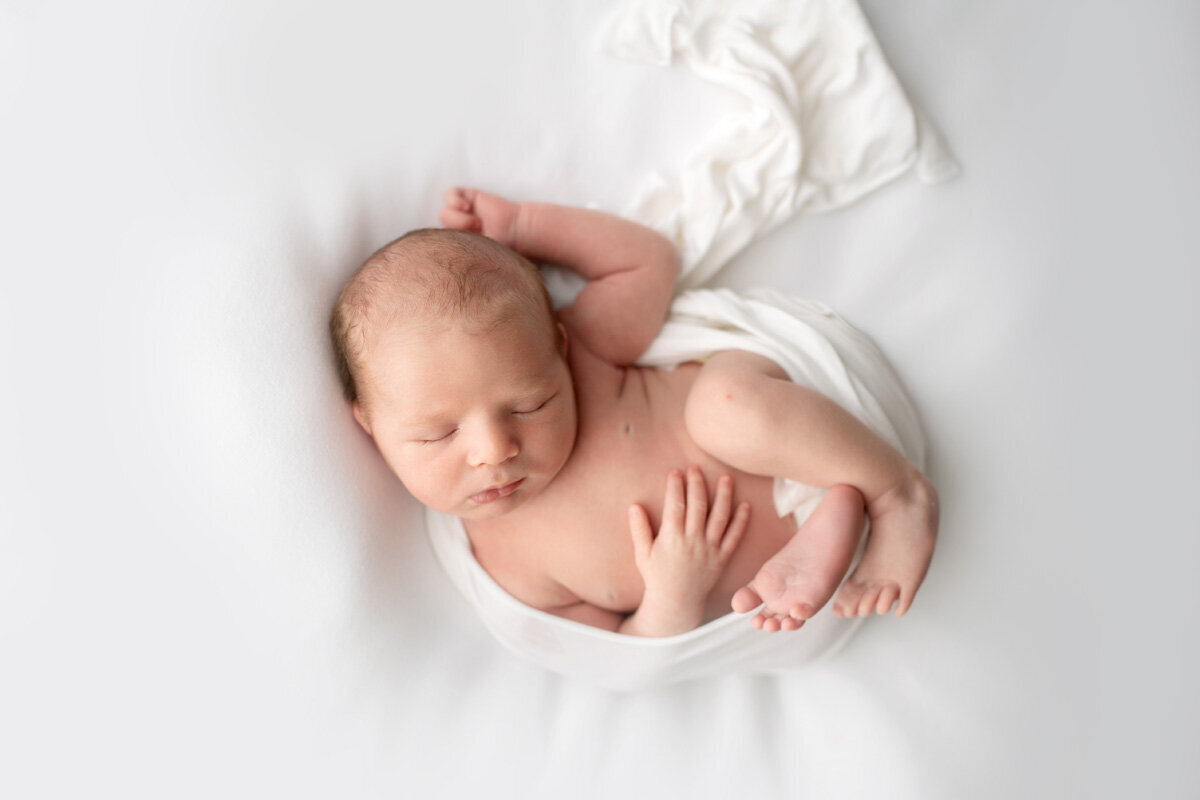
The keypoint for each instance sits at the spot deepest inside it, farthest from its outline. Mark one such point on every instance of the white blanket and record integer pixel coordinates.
(818, 350)
(824, 119)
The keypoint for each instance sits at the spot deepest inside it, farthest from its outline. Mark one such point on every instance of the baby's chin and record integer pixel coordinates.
(479, 510)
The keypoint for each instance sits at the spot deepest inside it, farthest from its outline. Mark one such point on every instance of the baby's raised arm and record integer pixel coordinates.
(630, 269)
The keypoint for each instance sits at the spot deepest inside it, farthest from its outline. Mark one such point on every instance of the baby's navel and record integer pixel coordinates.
(628, 430)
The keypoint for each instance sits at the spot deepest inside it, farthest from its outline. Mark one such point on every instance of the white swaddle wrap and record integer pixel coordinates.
(817, 349)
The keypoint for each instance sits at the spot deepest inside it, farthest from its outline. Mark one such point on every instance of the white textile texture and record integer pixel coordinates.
(824, 121)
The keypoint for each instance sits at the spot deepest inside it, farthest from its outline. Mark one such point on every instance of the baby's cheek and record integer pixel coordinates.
(409, 474)
(423, 494)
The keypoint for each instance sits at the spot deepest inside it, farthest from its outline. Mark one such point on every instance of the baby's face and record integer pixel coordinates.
(473, 424)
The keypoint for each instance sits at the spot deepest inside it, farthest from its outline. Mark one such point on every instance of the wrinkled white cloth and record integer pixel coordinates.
(824, 122)
(817, 349)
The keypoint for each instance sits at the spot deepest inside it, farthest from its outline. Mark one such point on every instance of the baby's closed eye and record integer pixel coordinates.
(536, 406)
(436, 438)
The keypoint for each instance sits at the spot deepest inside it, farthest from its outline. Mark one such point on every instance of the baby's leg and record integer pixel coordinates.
(744, 410)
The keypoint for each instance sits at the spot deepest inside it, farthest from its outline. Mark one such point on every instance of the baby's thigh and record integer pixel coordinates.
(729, 403)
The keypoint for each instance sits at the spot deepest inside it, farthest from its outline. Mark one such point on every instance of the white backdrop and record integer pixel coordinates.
(209, 583)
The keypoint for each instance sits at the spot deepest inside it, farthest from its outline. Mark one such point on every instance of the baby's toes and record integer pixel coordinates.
(867, 603)
(790, 624)
(846, 602)
(802, 611)
(771, 625)
(745, 599)
(840, 604)
(886, 598)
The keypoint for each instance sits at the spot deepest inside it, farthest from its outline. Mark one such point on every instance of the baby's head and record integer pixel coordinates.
(450, 353)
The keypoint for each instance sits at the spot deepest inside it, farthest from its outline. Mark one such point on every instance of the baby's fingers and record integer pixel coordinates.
(459, 199)
(718, 518)
(737, 527)
(642, 533)
(697, 502)
(673, 504)
(459, 220)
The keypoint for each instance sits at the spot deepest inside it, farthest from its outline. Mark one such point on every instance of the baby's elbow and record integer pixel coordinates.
(667, 275)
(660, 272)
(666, 258)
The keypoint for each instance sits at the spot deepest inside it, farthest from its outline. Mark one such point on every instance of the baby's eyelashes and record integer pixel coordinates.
(538, 407)
(521, 411)
(435, 439)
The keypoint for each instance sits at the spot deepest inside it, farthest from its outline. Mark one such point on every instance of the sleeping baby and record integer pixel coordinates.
(539, 430)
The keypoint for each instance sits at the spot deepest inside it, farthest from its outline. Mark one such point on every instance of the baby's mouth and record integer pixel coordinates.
(496, 492)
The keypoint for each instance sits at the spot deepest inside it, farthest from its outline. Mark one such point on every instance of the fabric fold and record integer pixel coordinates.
(825, 119)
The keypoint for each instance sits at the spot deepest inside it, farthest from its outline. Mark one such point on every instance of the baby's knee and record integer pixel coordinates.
(721, 402)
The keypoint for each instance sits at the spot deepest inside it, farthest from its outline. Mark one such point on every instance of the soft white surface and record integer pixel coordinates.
(211, 586)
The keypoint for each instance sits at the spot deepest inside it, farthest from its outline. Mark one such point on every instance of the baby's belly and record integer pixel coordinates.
(651, 439)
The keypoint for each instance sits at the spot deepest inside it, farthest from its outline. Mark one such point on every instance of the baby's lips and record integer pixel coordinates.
(496, 492)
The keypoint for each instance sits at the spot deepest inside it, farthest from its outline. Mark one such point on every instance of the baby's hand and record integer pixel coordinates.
(473, 210)
(682, 563)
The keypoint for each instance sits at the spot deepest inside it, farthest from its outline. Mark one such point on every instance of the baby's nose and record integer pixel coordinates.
(493, 445)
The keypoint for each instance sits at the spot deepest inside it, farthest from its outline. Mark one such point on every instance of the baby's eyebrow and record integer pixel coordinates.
(426, 412)
(426, 421)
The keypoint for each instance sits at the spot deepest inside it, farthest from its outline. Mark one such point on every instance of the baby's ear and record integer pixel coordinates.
(358, 416)
(562, 340)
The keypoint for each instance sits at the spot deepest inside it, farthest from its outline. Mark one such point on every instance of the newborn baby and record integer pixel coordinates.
(537, 429)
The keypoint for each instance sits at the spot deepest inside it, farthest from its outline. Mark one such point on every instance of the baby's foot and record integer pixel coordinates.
(798, 580)
(904, 524)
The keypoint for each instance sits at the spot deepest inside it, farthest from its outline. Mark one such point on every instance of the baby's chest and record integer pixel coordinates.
(591, 555)
(622, 457)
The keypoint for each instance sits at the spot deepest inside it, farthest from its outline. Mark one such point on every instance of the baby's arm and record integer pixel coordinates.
(631, 269)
